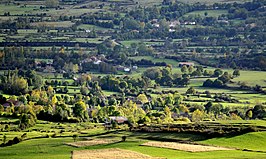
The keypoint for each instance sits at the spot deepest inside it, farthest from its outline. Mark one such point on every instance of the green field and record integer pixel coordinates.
(252, 78)
(91, 27)
(90, 40)
(63, 24)
(17, 10)
(147, 42)
(153, 59)
(210, 13)
(55, 148)
(214, 1)
(251, 141)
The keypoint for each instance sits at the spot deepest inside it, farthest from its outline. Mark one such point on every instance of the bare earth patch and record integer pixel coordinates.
(112, 153)
(184, 147)
(91, 142)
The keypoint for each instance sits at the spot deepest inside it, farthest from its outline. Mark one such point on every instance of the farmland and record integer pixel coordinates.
(56, 148)
(151, 79)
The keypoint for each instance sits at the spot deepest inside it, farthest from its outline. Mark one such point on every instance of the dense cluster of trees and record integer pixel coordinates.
(39, 99)
(165, 77)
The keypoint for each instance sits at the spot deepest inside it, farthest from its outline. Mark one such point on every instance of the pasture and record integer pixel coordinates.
(251, 141)
(55, 148)
(91, 27)
(18, 9)
(63, 24)
(210, 13)
(214, 1)
(71, 22)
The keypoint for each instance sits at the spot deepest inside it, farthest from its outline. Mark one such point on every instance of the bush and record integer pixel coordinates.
(124, 138)
(54, 135)
(185, 119)
(16, 140)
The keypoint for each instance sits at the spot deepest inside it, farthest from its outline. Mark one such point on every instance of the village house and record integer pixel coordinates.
(181, 64)
(11, 102)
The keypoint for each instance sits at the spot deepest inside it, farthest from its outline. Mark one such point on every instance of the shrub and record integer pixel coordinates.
(54, 135)
(16, 140)
(75, 136)
(124, 138)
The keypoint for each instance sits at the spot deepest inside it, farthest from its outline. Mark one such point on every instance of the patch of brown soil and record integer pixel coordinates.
(112, 153)
(184, 147)
(91, 142)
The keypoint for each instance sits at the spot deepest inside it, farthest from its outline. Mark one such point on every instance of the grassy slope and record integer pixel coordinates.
(54, 148)
(253, 141)
(213, 1)
(38, 148)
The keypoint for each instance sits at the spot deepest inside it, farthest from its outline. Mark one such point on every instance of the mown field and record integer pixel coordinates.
(214, 1)
(211, 13)
(55, 148)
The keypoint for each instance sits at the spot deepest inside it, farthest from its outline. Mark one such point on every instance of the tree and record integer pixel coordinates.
(216, 109)
(71, 68)
(13, 84)
(123, 85)
(54, 100)
(249, 114)
(132, 112)
(1, 108)
(62, 110)
(259, 112)
(236, 73)
(153, 73)
(218, 83)
(208, 83)
(178, 98)
(217, 72)
(208, 106)
(183, 108)
(143, 98)
(184, 69)
(190, 69)
(75, 136)
(52, 3)
(168, 115)
(4, 138)
(124, 138)
(84, 90)
(27, 119)
(191, 90)
(80, 110)
(225, 77)
(197, 115)
(131, 24)
(145, 50)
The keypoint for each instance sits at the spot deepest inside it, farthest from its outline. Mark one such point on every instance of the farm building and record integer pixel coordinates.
(186, 64)
(127, 69)
(117, 119)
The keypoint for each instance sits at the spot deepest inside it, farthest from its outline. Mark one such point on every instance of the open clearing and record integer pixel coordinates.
(64, 24)
(91, 142)
(113, 153)
(184, 147)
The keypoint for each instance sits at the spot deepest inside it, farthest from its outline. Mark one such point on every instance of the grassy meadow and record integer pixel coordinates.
(55, 148)
(210, 13)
